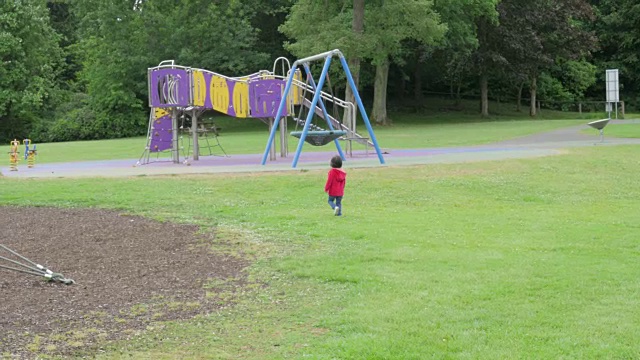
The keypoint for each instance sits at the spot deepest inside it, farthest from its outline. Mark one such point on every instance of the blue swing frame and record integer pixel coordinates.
(305, 131)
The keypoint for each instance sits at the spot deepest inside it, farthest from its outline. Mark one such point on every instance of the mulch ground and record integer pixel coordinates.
(129, 271)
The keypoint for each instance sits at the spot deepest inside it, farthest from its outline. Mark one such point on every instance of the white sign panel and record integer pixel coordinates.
(612, 86)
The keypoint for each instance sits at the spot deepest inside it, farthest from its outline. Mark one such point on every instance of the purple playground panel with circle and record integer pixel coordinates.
(170, 87)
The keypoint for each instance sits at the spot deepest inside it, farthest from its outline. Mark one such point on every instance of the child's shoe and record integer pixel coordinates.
(336, 211)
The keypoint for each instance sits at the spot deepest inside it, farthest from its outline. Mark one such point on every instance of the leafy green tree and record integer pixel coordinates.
(120, 39)
(618, 29)
(29, 58)
(391, 23)
(453, 56)
(65, 24)
(537, 33)
(316, 26)
(113, 46)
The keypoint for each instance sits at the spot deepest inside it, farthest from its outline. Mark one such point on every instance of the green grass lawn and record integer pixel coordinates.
(631, 130)
(249, 136)
(627, 130)
(517, 259)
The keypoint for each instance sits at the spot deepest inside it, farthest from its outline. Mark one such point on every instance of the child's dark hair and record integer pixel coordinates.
(336, 162)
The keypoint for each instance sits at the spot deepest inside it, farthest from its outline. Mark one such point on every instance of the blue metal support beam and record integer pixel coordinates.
(279, 113)
(354, 89)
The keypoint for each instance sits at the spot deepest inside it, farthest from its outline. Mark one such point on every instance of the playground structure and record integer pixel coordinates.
(30, 267)
(13, 155)
(29, 154)
(271, 96)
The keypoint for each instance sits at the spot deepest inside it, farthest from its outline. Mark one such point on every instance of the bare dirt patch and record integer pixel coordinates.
(129, 272)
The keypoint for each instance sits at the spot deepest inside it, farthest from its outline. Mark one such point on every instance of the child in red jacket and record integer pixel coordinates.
(336, 181)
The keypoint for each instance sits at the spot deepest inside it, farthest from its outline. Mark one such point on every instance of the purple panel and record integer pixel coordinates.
(161, 134)
(231, 84)
(265, 97)
(169, 87)
(207, 100)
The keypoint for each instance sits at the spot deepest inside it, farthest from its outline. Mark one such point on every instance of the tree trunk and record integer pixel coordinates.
(357, 25)
(484, 95)
(417, 84)
(519, 98)
(380, 94)
(417, 76)
(533, 89)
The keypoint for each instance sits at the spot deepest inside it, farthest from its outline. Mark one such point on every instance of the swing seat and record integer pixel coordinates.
(320, 138)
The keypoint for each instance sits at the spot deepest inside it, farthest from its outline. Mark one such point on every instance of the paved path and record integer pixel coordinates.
(542, 144)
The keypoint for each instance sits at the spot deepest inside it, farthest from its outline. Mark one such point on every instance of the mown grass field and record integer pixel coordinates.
(517, 259)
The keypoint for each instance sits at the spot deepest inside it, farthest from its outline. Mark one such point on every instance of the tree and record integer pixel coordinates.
(317, 26)
(618, 29)
(391, 23)
(453, 56)
(120, 39)
(29, 57)
(537, 33)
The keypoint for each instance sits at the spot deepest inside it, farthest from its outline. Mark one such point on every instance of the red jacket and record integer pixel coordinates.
(336, 181)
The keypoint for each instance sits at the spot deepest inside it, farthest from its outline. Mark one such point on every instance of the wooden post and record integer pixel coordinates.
(580, 108)
(622, 109)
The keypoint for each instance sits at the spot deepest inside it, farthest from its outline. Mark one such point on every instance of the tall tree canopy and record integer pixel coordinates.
(30, 60)
(77, 69)
(315, 26)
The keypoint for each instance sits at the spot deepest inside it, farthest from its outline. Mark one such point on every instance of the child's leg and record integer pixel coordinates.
(331, 202)
(339, 204)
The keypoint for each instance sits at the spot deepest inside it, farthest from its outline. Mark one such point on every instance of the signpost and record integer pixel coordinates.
(613, 94)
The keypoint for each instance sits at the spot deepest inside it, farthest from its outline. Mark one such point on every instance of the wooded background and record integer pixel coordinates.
(76, 69)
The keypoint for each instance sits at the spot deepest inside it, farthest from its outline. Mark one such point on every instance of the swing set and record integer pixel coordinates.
(311, 133)
(318, 136)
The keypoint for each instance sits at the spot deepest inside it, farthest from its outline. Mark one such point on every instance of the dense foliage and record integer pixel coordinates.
(76, 69)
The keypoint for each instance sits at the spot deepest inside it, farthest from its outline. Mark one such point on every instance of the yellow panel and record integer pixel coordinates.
(160, 113)
(219, 92)
(199, 88)
(295, 94)
(241, 99)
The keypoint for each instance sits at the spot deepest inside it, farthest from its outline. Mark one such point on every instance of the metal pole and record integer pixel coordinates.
(194, 130)
(316, 57)
(272, 150)
(175, 154)
(361, 107)
(283, 137)
(314, 103)
(279, 113)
